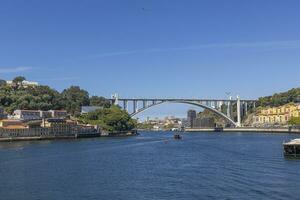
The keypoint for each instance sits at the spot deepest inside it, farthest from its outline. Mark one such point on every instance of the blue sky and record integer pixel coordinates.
(158, 48)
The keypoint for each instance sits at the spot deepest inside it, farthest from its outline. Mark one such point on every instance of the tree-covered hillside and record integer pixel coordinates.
(280, 99)
(17, 96)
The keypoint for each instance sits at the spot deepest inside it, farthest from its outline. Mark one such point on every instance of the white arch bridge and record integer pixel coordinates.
(222, 107)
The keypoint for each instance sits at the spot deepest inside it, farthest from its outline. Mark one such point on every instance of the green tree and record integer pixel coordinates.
(19, 79)
(99, 101)
(294, 121)
(144, 126)
(110, 119)
(279, 99)
(73, 98)
(18, 82)
(40, 97)
(2, 83)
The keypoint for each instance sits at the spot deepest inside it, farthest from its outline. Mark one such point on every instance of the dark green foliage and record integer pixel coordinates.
(280, 99)
(99, 101)
(74, 98)
(294, 121)
(40, 97)
(209, 114)
(110, 119)
(18, 82)
(2, 83)
(224, 108)
(19, 79)
(144, 126)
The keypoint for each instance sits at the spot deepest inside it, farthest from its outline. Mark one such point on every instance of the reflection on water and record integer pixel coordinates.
(151, 166)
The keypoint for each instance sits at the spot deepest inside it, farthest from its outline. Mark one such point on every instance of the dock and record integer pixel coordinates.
(292, 148)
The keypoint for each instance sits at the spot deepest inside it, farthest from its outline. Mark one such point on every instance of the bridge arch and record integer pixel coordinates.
(190, 103)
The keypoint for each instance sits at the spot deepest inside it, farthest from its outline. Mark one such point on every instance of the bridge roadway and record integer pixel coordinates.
(181, 99)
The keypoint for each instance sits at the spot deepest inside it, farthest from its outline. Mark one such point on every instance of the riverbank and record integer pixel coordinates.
(245, 129)
(69, 136)
(12, 139)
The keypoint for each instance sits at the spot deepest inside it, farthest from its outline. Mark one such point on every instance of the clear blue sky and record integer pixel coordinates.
(158, 48)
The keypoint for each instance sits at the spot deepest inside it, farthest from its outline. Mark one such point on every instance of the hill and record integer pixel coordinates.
(37, 97)
(279, 99)
(17, 96)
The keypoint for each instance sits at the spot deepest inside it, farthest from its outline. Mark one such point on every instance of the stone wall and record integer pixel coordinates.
(49, 131)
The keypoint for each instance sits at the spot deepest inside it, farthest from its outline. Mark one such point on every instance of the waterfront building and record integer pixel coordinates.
(166, 123)
(34, 123)
(45, 114)
(191, 116)
(277, 115)
(11, 123)
(52, 122)
(44, 128)
(59, 113)
(27, 114)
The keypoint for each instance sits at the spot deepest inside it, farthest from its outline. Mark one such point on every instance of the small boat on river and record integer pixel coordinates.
(292, 148)
(177, 137)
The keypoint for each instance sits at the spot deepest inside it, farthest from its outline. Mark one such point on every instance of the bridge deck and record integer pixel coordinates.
(181, 99)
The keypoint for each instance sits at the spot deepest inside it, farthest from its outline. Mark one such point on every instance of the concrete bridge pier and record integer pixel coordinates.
(134, 106)
(238, 111)
(125, 105)
(229, 107)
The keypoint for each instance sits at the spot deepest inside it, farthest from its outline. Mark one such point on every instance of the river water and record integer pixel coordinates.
(151, 166)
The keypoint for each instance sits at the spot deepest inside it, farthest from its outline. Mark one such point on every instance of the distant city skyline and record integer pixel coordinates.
(154, 48)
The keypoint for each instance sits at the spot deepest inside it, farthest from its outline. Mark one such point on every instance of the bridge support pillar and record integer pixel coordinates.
(238, 111)
(135, 105)
(153, 102)
(125, 105)
(229, 108)
(220, 105)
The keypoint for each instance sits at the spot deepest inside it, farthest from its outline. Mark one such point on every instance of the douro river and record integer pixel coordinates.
(151, 166)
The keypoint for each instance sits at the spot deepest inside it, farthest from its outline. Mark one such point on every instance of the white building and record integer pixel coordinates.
(28, 115)
(59, 113)
(25, 83)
